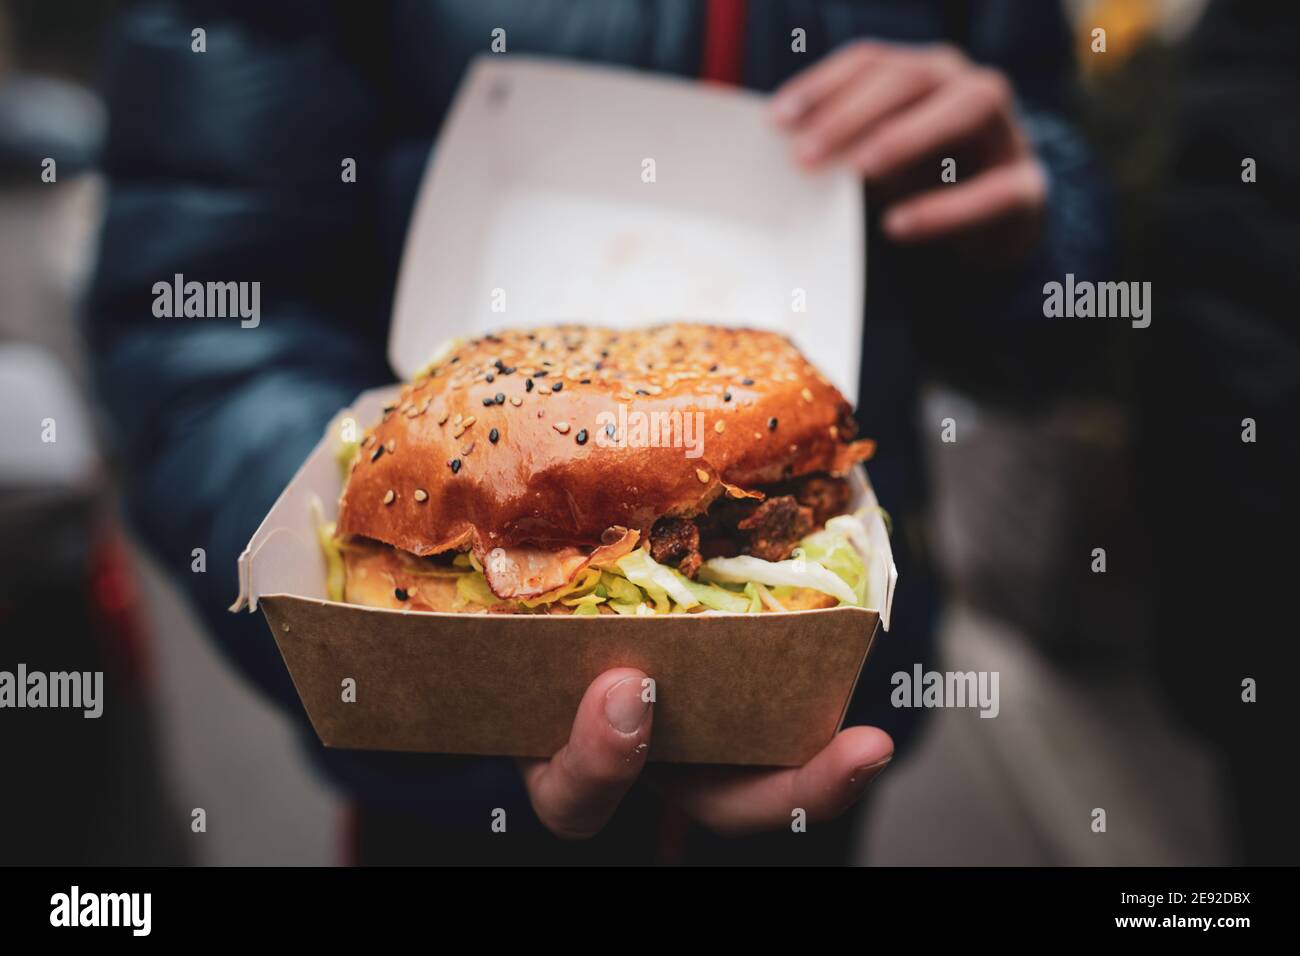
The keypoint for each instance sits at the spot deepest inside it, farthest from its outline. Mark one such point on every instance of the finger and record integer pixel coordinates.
(744, 801)
(576, 792)
(994, 195)
(951, 115)
(852, 110)
(802, 92)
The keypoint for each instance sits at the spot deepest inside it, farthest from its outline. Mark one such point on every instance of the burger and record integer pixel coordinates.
(681, 468)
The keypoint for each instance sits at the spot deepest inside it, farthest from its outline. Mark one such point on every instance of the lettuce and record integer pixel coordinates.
(716, 597)
(660, 582)
(472, 588)
(796, 572)
(335, 578)
(832, 561)
(766, 597)
(840, 549)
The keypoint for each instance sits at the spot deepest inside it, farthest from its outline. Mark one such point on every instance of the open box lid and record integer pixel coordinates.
(536, 204)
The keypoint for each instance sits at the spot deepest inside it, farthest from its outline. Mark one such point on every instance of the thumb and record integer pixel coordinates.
(576, 792)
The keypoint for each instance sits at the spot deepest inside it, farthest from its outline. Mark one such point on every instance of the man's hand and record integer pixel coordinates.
(577, 791)
(893, 113)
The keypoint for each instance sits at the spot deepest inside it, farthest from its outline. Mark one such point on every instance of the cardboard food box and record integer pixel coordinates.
(604, 196)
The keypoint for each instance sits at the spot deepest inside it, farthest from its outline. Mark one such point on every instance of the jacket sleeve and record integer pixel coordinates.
(225, 166)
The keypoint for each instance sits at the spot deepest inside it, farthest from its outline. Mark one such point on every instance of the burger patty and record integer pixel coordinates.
(768, 530)
(776, 526)
(676, 541)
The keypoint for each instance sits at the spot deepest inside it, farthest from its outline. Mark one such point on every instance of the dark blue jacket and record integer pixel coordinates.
(225, 166)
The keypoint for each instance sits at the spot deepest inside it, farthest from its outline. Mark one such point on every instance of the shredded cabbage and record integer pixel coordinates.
(766, 597)
(472, 588)
(658, 581)
(335, 579)
(800, 572)
(832, 561)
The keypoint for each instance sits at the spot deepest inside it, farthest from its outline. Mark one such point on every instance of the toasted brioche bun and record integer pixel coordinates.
(473, 456)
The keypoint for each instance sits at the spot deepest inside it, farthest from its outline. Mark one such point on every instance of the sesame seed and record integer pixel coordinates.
(720, 426)
(771, 424)
(443, 419)
(703, 475)
(489, 402)
(726, 396)
(642, 391)
(611, 430)
(713, 368)
(746, 381)
(561, 427)
(390, 496)
(400, 594)
(508, 370)
(516, 401)
(528, 385)
(500, 398)
(494, 436)
(374, 455)
(807, 395)
(581, 437)
(421, 495)
(557, 386)
(469, 421)
(390, 446)
(490, 377)
(455, 465)
(467, 449)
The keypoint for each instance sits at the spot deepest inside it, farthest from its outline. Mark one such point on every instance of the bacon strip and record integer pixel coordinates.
(518, 573)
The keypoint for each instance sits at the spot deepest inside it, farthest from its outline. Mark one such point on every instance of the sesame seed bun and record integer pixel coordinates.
(540, 441)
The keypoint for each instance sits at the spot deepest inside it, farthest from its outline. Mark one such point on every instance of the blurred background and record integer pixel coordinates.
(1087, 717)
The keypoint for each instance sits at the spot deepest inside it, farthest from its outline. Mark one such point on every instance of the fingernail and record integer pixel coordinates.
(865, 774)
(624, 708)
